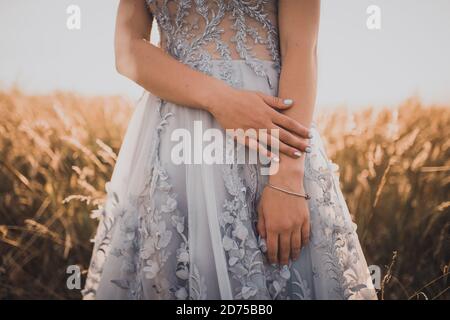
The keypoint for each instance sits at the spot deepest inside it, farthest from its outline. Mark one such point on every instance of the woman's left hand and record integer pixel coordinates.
(283, 221)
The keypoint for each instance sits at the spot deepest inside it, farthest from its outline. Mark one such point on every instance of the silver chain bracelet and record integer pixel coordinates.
(306, 196)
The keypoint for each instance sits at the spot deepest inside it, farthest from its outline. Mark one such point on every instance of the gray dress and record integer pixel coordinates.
(187, 231)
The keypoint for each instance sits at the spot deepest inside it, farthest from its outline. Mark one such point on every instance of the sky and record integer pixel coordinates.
(409, 54)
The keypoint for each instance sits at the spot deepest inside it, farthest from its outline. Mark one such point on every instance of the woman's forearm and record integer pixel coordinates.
(298, 80)
(153, 69)
(299, 22)
(167, 78)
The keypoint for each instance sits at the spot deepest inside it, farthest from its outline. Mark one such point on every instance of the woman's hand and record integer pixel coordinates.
(283, 219)
(242, 109)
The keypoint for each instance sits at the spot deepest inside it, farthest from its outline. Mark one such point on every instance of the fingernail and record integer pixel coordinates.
(308, 149)
(276, 159)
(298, 154)
(288, 102)
(310, 135)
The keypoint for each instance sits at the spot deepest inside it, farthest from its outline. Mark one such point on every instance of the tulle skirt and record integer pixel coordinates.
(188, 231)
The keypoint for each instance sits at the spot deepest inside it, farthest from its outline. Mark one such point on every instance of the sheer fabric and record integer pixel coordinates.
(198, 31)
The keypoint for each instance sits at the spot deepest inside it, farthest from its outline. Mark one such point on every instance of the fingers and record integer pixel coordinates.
(253, 144)
(290, 124)
(306, 227)
(285, 247)
(260, 148)
(292, 142)
(273, 140)
(259, 143)
(275, 102)
(261, 226)
(272, 247)
(296, 244)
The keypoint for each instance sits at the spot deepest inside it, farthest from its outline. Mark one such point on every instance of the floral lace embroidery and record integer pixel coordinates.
(300, 289)
(101, 242)
(336, 236)
(240, 245)
(184, 40)
(146, 237)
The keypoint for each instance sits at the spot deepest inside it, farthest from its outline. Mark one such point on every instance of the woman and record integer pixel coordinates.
(199, 230)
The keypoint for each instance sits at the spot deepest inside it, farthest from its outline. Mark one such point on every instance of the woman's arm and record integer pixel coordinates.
(169, 79)
(299, 27)
(284, 218)
(151, 68)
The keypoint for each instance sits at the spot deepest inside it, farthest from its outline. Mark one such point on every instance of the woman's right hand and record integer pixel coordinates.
(243, 109)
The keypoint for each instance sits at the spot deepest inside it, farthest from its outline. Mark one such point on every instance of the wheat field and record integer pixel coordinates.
(57, 151)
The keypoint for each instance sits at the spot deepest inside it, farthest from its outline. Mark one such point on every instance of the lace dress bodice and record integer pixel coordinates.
(196, 32)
